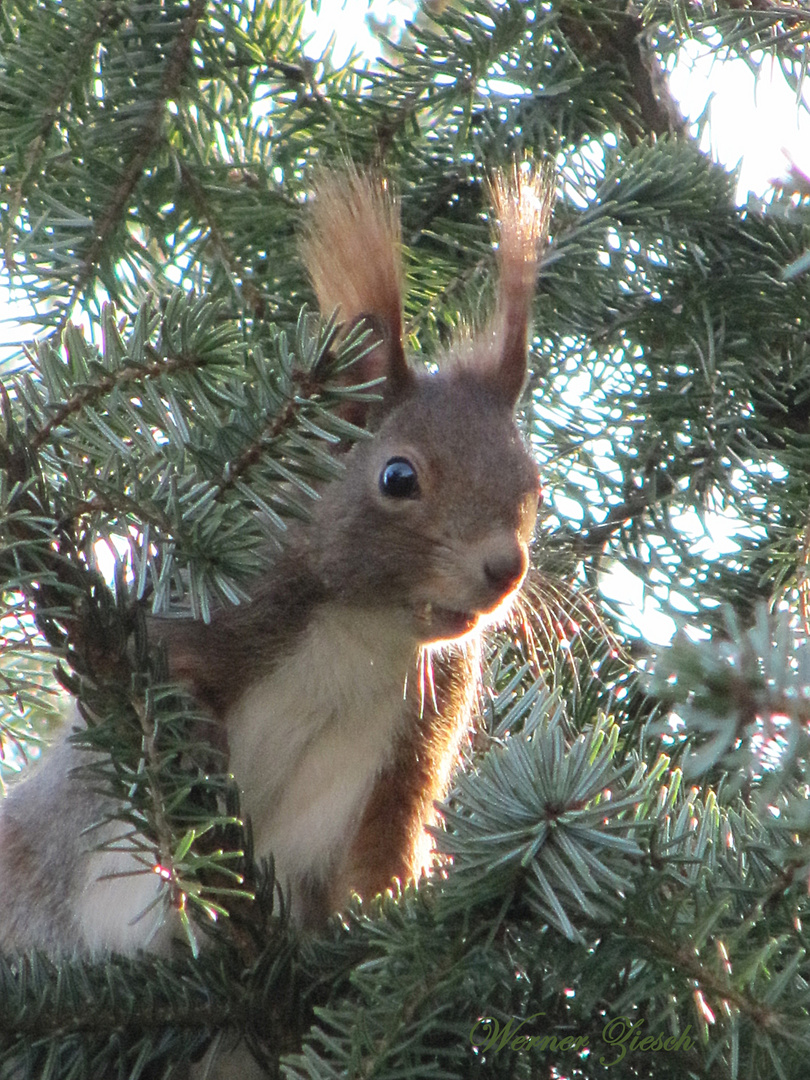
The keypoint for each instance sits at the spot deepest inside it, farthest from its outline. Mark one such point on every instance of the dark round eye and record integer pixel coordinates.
(398, 479)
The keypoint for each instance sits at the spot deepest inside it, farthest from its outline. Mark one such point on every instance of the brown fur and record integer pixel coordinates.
(351, 248)
(522, 202)
(390, 840)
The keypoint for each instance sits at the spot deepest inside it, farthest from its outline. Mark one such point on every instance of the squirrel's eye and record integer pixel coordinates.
(398, 479)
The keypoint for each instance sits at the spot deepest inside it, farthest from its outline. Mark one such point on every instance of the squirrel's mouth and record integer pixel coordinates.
(437, 623)
(446, 624)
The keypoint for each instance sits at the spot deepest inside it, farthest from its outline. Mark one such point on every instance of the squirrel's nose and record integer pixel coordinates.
(504, 570)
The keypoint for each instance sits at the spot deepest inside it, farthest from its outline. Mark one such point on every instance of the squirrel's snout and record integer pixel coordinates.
(504, 570)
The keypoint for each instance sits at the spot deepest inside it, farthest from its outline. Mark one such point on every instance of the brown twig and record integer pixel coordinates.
(106, 15)
(83, 397)
(150, 137)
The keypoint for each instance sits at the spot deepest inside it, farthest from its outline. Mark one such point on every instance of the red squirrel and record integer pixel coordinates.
(348, 681)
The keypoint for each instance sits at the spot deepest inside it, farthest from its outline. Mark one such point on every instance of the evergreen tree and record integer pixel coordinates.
(629, 876)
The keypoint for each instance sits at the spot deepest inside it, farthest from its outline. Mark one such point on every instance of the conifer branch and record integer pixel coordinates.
(670, 335)
(687, 959)
(635, 506)
(119, 504)
(252, 295)
(106, 17)
(88, 395)
(151, 136)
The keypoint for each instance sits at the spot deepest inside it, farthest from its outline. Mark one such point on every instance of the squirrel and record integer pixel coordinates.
(347, 683)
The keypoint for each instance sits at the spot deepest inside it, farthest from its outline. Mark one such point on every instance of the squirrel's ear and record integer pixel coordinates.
(522, 202)
(351, 248)
(383, 359)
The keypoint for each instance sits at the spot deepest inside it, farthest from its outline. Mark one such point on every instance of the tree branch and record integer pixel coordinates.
(151, 137)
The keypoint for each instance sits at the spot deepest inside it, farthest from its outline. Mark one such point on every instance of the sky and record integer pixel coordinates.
(755, 124)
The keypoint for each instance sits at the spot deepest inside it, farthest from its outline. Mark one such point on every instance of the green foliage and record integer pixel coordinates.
(685, 946)
(179, 408)
(741, 709)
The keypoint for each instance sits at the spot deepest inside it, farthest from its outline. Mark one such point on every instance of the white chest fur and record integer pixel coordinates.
(122, 908)
(307, 742)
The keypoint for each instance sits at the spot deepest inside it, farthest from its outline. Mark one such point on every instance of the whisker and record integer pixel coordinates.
(552, 614)
(428, 667)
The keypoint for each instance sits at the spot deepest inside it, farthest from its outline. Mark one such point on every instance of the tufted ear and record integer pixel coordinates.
(351, 248)
(522, 200)
(379, 361)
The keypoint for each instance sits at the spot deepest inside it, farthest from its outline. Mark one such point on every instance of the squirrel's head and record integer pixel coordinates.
(436, 511)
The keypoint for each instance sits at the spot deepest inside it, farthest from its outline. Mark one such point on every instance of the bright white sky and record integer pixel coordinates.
(755, 124)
